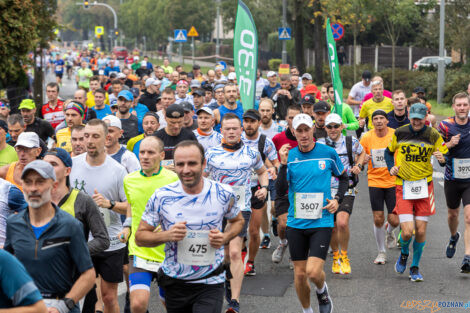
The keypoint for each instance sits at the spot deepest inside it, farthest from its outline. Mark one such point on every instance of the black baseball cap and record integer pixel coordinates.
(419, 89)
(174, 111)
(187, 106)
(253, 114)
(199, 92)
(367, 75)
(321, 106)
(155, 115)
(308, 100)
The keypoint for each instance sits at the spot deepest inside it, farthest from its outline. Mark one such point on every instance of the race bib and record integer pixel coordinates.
(461, 168)
(101, 72)
(167, 162)
(254, 177)
(378, 158)
(147, 265)
(417, 189)
(239, 195)
(106, 216)
(308, 205)
(195, 249)
(83, 78)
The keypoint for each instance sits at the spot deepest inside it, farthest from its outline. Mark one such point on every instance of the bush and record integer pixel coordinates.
(274, 64)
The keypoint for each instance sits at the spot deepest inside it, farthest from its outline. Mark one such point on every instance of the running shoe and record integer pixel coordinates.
(233, 307)
(250, 269)
(452, 245)
(244, 252)
(465, 268)
(415, 274)
(345, 265)
(278, 254)
(381, 258)
(400, 266)
(274, 224)
(325, 305)
(336, 265)
(391, 240)
(265, 243)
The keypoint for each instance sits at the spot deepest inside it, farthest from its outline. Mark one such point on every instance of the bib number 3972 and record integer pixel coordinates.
(417, 189)
(195, 249)
(308, 205)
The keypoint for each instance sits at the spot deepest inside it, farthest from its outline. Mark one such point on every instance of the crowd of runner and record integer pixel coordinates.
(154, 174)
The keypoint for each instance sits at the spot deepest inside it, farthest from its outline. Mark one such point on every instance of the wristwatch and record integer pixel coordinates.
(266, 186)
(113, 203)
(360, 166)
(69, 303)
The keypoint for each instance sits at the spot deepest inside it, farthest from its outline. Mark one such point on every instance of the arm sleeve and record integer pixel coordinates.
(282, 186)
(96, 226)
(350, 120)
(389, 158)
(343, 185)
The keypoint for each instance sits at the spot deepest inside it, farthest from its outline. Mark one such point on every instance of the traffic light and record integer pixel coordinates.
(116, 32)
(85, 4)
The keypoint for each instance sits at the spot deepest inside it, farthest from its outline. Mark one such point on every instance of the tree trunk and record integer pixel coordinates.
(299, 36)
(318, 45)
(354, 54)
(393, 64)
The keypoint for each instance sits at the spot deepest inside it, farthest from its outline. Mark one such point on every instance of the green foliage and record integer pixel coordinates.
(25, 25)
(274, 64)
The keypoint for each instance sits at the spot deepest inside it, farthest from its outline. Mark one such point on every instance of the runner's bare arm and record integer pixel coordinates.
(147, 237)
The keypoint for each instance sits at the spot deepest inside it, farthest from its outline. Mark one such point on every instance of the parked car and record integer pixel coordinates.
(120, 52)
(430, 61)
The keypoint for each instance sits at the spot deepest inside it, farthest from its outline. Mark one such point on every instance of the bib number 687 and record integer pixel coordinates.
(416, 189)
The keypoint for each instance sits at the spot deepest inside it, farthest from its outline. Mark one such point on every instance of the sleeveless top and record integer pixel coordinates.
(10, 175)
(223, 110)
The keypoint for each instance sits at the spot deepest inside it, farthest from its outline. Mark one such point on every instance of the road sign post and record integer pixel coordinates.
(192, 33)
(181, 36)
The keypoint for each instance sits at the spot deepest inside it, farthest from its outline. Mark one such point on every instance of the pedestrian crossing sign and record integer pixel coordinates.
(193, 32)
(99, 30)
(284, 33)
(181, 35)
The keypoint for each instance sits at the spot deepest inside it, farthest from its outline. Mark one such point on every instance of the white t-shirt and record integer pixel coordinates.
(107, 179)
(161, 119)
(272, 131)
(269, 151)
(203, 211)
(129, 161)
(214, 139)
(358, 91)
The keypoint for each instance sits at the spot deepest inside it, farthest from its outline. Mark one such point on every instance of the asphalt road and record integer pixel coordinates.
(369, 288)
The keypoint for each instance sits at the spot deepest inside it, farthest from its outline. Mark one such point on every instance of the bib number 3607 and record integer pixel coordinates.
(195, 249)
(417, 189)
(308, 205)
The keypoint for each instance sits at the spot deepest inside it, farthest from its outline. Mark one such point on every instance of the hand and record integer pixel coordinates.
(355, 170)
(123, 235)
(272, 172)
(367, 158)
(453, 141)
(261, 194)
(332, 205)
(439, 156)
(394, 170)
(178, 231)
(362, 122)
(284, 153)
(216, 238)
(100, 200)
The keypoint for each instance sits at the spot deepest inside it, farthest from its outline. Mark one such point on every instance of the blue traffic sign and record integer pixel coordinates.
(338, 31)
(284, 33)
(223, 64)
(181, 35)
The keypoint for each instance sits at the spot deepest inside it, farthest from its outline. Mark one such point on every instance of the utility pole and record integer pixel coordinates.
(217, 45)
(284, 24)
(441, 64)
(87, 3)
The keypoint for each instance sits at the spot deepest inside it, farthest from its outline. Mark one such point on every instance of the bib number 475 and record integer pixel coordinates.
(194, 248)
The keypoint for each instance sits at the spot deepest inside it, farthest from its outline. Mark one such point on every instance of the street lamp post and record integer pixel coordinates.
(217, 44)
(284, 24)
(110, 8)
(441, 64)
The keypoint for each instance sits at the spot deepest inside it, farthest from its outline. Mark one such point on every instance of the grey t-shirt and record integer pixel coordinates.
(107, 179)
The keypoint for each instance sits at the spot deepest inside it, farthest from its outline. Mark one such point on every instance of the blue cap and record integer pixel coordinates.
(63, 155)
(418, 110)
(126, 94)
(218, 86)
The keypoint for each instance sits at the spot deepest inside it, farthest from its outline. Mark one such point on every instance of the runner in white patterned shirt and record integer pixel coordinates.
(205, 134)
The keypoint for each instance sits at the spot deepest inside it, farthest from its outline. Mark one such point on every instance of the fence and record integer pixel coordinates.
(380, 56)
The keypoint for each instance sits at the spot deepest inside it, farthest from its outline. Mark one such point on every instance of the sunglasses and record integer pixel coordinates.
(336, 126)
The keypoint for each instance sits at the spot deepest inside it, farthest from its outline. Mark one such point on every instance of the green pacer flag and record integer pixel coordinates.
(245, 55)
(334, 69)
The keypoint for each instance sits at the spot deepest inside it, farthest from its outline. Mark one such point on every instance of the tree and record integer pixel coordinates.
(397, 17)
(353, 13)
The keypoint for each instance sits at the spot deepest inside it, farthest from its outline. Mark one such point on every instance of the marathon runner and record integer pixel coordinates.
(352, 156)
(305, 172)
(456, 133)
(190, 214)
(139, 187)
(232, 163)
(205, 134)
(414, 145)
(53, 110)
(59, 65)
(381, 183)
